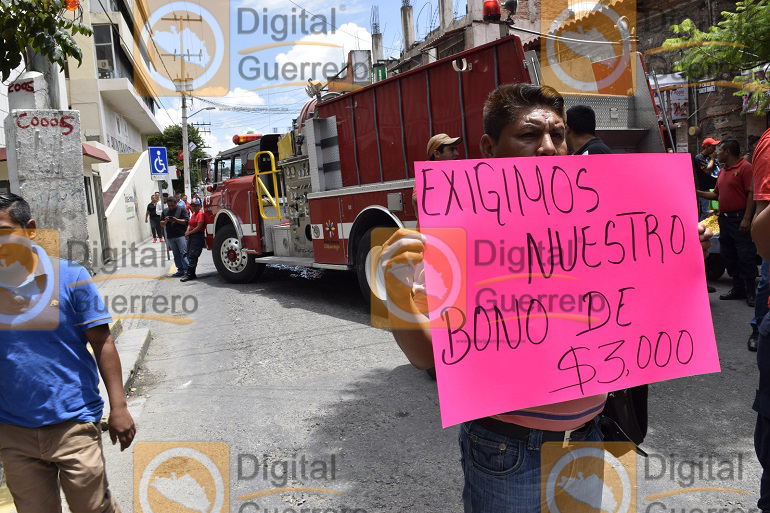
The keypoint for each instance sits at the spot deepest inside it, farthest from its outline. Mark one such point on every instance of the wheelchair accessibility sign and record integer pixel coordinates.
(158, 163)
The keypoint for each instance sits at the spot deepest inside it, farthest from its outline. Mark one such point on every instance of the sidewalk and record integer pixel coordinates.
(131, 339)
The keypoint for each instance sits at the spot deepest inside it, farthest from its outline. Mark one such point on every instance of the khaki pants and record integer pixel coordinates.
(38, 460)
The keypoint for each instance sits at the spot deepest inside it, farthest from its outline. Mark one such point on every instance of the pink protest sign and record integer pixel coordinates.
(582, 275)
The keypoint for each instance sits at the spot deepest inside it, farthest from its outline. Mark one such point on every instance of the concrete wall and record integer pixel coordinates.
(125, 215)
(4, 103)
(120, 134)
(108, 170)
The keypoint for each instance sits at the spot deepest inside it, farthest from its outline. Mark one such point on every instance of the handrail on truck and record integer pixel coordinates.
(262, 189)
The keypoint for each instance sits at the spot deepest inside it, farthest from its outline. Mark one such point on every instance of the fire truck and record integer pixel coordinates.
(313, 196)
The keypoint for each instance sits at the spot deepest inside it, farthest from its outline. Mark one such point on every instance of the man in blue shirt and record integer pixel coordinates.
(50, 407)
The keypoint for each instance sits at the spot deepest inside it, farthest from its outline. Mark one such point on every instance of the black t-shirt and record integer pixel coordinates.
(174, 230)
(703, 181)
(152, 211)
(594, 147)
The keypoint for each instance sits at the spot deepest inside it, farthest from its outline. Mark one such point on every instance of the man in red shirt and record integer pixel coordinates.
(196, 238)
(736, 210)
(761, 232)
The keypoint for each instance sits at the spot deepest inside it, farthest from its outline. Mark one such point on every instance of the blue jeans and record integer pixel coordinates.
(763, 293)
(502, 475)
(178, 247)
(703, 207)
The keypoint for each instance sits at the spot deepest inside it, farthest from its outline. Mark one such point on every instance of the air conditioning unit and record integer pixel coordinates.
(104, 64)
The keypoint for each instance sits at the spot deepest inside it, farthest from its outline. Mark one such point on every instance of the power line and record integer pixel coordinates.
(323, 18)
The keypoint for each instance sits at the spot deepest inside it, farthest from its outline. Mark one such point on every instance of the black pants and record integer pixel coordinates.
(762, 407)
(737, 249)
(155, 227)
(194, 250)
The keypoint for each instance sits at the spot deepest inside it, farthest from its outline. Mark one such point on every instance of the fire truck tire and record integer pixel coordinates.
(231, 262)
(364, 246)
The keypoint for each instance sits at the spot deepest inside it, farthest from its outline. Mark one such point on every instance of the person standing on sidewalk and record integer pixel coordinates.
(704, 164)
(174, 219)
(154, 218)
(760, 230)
(520, 120)
(196, 239)
(736, 211)
(50, 407)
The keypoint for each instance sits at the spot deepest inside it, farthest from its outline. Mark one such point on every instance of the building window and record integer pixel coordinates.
(111, 5)
(111, 59)
(89, 198)
(105, 55)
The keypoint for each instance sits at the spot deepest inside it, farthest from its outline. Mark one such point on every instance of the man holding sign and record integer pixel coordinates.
(512, 386)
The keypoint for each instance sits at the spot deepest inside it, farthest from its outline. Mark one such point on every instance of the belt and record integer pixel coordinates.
(522, 433)
(739, 213)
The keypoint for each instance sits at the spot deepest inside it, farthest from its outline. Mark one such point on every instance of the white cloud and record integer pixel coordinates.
(350, 36)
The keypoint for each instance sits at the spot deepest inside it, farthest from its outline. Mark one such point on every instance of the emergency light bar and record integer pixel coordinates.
(492, 10)
(243, 139)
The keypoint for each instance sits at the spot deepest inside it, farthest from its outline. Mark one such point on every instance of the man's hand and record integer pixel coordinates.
(705, 239)
(122, 427)
(400, 254)
(187, 236)
(745, 226)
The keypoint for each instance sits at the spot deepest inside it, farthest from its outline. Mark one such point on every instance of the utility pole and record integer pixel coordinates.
(185, 146)
(183, 86)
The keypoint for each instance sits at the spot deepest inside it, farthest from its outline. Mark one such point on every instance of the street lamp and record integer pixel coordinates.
(186, 144)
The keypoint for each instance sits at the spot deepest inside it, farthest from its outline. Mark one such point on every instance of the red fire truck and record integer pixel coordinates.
(313, 196)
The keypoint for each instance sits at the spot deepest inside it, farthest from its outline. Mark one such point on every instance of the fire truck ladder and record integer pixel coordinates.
(273, 199)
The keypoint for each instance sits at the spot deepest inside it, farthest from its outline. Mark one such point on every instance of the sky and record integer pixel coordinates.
(327, 45)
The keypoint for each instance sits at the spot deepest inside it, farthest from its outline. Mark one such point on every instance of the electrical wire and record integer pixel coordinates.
(323, 18)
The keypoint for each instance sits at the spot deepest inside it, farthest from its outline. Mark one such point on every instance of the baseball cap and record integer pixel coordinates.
(195, 201)
(710, 142)
(440, 139)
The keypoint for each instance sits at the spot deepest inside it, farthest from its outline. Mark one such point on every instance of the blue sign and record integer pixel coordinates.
(158, 163)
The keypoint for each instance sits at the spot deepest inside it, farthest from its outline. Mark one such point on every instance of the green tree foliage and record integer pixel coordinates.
(171, 138)
(45, 26)
(738, 43)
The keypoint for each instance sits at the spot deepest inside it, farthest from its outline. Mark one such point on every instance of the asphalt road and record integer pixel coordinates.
(291, 367)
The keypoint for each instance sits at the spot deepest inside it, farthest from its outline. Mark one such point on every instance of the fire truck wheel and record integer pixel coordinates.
(232, 262)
